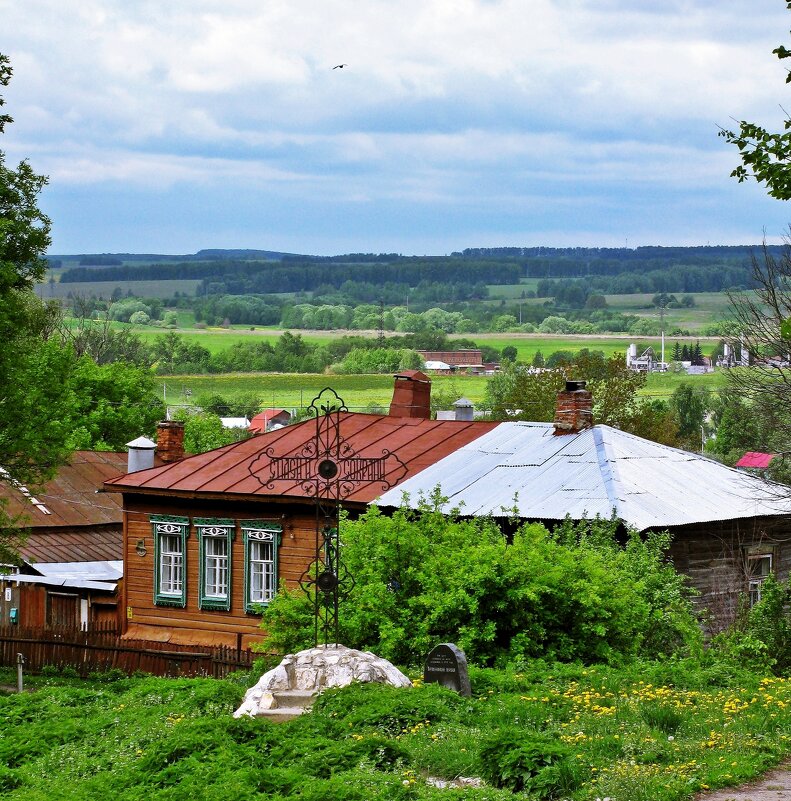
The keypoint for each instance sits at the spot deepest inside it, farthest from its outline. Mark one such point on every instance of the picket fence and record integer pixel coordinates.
(102, 649)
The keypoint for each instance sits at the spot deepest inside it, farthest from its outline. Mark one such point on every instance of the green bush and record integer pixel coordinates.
(760, 638)
(527, 761)
(428, 577)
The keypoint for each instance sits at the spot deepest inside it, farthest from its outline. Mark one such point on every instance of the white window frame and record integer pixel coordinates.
(764, 562)
(260, 568)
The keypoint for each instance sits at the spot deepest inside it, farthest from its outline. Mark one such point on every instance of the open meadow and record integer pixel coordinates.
(649, 732)
(366, 392)
(216, 339)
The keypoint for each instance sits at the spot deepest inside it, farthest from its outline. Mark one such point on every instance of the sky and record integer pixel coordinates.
(167, 127)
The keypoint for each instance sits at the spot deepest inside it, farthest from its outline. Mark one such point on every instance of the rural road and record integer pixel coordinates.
(773, 786)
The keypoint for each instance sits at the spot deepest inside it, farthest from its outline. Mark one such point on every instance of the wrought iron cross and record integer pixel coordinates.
(328, 469)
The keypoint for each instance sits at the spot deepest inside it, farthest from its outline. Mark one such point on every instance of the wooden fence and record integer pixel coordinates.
(103, 649)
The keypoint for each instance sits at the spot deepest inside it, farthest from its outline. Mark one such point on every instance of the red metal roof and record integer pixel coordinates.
(70, 498)
(232, 469)
(755, 459)
(262, 419)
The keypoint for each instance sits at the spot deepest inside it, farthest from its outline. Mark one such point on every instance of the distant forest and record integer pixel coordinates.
(605, 270)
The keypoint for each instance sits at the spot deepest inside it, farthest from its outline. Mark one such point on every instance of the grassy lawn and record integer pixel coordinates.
(528, 344)
(649, 732)
(104, 289)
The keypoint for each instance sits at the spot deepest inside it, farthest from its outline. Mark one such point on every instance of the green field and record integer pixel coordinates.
(527, 344)
(365, 392)
(290, 390)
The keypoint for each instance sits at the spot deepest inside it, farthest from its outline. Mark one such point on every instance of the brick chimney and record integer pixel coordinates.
(170, 440)
(411, 395)
(574, 410)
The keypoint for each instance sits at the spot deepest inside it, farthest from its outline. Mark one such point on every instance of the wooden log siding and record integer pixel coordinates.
(296, 551)
(102, 650)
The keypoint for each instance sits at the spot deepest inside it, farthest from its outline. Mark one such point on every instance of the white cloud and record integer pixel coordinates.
(441, 99)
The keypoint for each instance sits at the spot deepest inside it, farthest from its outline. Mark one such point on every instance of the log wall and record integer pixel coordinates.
(235, 627)
(713, 556)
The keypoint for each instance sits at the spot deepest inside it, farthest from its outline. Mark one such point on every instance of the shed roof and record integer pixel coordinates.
(57, 581)
(755, 459)
(107, 570)
(69, 499)
(260, 421)
(525, 467)
(75, 543)
(232, 469)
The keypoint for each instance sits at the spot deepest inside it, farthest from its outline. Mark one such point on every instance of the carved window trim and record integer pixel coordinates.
(215, 548)
(170, 566)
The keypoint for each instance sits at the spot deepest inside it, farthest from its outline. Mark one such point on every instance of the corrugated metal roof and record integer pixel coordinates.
(524, 467)
(70, 498)
(232, 469)
(77, 584)
(84, 571)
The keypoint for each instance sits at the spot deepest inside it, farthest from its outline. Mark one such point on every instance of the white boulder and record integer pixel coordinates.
(313, 670)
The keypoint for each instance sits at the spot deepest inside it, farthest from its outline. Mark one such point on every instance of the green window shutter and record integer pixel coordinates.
(261, 540)
(215, 538)
(170, 559)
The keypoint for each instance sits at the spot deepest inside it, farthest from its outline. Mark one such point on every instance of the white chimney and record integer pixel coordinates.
(464, 409)
(141, 454)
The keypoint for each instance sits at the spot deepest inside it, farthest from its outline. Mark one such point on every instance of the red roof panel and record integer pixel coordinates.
(245, 468)
(755, 459)
(70, 498)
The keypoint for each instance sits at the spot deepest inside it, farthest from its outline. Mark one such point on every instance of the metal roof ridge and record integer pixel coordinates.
(606, 468)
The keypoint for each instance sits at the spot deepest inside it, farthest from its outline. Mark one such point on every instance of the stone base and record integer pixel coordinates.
(306, 674)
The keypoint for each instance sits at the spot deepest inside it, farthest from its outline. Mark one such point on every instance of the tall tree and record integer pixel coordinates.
(761, 395)
(765, 155)
(33, 369)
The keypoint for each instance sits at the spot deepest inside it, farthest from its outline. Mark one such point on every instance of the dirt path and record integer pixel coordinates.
(773, 786)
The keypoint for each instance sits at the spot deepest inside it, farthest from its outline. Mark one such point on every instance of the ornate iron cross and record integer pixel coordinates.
(328, 469)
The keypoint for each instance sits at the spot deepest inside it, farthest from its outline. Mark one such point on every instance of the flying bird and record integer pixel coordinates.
(340, 66)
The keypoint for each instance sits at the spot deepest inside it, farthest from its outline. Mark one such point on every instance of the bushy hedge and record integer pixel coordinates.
(572, 594)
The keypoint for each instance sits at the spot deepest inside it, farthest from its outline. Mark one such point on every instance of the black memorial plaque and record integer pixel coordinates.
(447, 665)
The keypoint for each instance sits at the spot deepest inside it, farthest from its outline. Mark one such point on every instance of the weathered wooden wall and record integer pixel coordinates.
(713, 557)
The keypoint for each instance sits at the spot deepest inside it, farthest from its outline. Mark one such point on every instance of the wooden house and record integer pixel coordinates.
(70, 565)
(730, 529)
(208, 538)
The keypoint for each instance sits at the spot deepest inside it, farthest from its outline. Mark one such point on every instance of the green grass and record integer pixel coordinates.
(527, 344)
(216, 339)
(651, 732)
(297, 390)
(364, 392)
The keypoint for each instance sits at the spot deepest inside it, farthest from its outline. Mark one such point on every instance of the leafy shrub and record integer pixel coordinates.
(527, 761)
(760, 638)
(428, 577)
(388, 710)
(9, 779)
